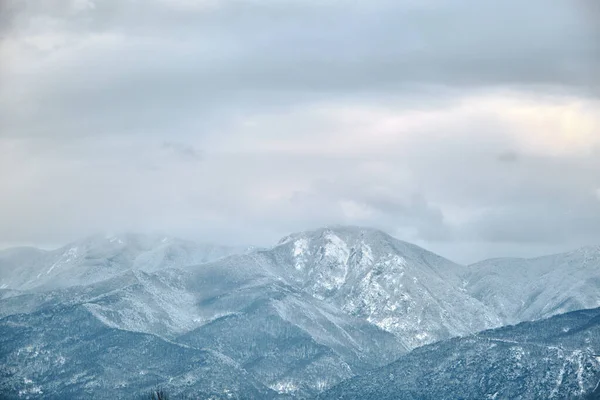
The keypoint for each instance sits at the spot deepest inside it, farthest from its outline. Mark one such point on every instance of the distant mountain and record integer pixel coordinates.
(98, 258)
(557, 358)
(529, 289)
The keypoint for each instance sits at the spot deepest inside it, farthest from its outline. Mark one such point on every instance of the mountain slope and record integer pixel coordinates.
(67, 353)
(529, 289)
(290, 341)
(549, 359)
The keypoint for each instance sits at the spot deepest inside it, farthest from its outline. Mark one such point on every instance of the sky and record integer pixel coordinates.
(469, 127)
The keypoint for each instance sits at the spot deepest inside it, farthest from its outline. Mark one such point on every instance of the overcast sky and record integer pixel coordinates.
(469, 127)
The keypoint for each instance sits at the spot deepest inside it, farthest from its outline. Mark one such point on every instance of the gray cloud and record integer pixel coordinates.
(182, 150)
(116, 70)
(448, 123)
(508, 157)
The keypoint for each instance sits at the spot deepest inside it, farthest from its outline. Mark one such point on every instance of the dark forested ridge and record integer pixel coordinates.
(553, 358)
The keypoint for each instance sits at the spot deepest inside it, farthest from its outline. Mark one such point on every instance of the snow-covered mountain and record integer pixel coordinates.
(100, 257)
(555, 358)
(287, 340)
(282, 338)
(529, 289)
(295, 319)
(397, 286)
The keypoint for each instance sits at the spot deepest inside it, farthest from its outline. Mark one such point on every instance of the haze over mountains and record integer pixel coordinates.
(296, 319)
(99, 257)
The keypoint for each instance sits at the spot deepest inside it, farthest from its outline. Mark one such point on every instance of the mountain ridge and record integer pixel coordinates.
(99, 257)
(550, 358)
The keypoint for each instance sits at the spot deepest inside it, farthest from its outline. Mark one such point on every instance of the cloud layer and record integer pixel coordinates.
(469, 127)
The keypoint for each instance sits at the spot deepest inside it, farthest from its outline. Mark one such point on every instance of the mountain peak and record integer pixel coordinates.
(348, 232)
(351, 240)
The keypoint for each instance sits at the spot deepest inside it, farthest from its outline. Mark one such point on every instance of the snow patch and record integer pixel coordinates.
(284, 387)
(300, 251)
(336, 249)
(300, 247)
(67, 257)
(367, 254)
(113, 239)
(32, 390)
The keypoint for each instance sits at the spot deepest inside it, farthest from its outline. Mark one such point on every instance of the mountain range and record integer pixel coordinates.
(110, 317)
